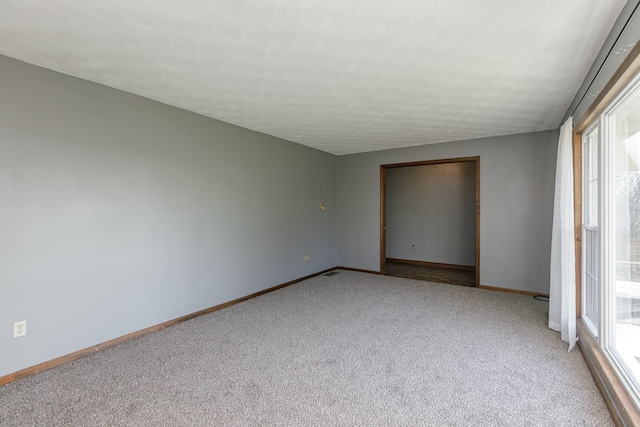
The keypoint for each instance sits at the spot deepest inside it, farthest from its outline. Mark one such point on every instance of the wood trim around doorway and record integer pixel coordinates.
(383, 220)
(383, 204)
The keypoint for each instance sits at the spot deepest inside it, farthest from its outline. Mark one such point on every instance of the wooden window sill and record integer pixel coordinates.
(621, 405)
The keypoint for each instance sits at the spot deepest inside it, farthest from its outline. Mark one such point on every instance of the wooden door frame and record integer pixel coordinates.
(383, 205)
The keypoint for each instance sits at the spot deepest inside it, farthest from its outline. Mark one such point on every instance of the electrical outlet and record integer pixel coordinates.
(413, 246)
(20, 329)
(307, 258)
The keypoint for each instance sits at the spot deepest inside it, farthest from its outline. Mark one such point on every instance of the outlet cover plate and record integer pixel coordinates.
(20, 329)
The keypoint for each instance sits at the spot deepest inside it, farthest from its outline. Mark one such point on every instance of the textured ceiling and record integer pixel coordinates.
(341, 76)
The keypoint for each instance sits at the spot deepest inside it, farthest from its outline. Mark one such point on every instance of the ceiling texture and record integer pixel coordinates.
(340, 76)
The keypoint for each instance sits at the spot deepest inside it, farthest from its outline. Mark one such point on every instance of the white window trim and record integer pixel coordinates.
(594, 329)
(608, 241)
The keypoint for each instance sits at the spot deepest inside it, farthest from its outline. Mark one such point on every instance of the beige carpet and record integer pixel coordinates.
(350, 349)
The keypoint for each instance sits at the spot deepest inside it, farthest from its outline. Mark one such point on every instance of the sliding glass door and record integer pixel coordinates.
(622, 214)
(611, 234)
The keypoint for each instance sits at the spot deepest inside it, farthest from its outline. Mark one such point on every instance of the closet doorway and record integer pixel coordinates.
(430, 220)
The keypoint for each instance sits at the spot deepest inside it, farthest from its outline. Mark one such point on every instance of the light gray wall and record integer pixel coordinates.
(517, 174)
(430, 213)
(118, 213)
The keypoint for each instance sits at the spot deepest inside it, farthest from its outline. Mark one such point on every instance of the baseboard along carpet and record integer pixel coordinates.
(347, 349)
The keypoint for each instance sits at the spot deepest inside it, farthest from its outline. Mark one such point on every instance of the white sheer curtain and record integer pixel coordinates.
(562, 294)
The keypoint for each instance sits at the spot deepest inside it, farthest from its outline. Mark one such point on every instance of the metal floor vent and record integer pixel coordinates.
(332, 273)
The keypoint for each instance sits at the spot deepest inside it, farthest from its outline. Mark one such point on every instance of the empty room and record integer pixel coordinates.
(320, 213)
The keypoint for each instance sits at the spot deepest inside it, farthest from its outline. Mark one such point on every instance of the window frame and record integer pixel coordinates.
(620, 399)
(594, 329)
(608, 200)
